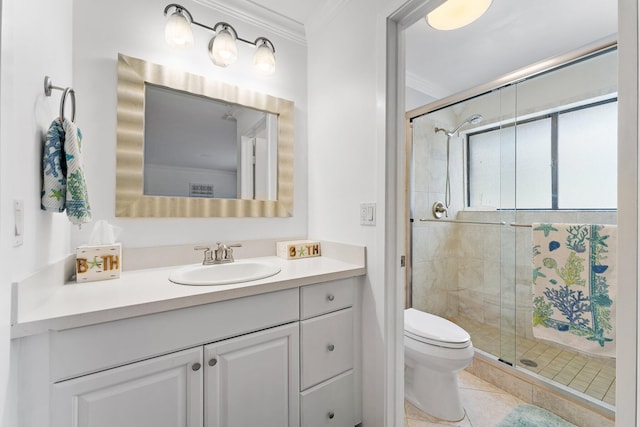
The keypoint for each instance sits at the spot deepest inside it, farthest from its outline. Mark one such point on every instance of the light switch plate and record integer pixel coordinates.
(367, 214)
(18, 222)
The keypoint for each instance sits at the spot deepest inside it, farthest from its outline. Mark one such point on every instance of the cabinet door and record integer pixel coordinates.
(164, 391)
(253, 380)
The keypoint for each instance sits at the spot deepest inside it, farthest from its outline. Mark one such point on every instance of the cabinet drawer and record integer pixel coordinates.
(329, 404)
(326, 297)
(326, 345)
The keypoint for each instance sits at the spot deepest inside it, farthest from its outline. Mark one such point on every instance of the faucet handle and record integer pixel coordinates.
(208, 254)
(224, 252)
(438, 209)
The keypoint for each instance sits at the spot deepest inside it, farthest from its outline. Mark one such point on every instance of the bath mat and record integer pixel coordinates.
(532, 416)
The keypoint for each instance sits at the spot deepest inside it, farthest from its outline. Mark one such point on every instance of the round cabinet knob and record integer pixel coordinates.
(331, 415)
(196, 366)
(212, 362)
(331, 347)
(330, 297)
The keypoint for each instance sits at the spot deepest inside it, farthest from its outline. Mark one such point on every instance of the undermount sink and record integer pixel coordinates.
(223, 274)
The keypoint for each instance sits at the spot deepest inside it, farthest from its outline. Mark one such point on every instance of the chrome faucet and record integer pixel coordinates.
(221, 254)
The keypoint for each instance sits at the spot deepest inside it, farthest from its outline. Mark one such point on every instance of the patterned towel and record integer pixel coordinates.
(574, 286)
(63, 184)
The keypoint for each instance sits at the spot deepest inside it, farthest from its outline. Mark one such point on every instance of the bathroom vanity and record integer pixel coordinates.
(142, 351)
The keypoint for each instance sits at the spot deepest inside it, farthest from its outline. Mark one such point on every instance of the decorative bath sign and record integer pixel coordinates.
(297, 249)
(98, 262)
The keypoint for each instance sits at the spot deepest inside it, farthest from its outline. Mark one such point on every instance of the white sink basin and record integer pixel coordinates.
(223, 274)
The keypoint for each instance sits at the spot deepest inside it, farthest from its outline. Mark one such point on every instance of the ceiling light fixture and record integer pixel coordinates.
(223, 49)
(454, 14)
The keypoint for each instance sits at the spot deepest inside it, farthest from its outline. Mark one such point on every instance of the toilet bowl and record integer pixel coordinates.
(435, 349)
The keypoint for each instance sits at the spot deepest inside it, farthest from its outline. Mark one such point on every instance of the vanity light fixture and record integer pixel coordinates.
(223, 49)
(454, 14)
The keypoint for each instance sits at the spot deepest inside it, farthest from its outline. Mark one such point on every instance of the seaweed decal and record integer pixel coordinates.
(572, 304)
(542, 311)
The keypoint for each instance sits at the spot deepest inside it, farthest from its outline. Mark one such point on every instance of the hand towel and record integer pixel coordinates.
(574, 286)
(63, 186)
(54, 168)
(77, 198)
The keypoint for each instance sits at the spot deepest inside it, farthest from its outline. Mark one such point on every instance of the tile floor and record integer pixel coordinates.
(485, 405)
(595, 377)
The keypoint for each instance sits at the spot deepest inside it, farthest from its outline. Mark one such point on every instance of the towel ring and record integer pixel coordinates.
(68, 91)
(48, 86)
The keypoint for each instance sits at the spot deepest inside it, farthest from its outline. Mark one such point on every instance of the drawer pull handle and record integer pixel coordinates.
(331, 415)
(331, 347)
(330, 297)
(196, 366)
(212, 362)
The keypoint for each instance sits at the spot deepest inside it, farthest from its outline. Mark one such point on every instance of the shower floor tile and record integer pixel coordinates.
(592, 376)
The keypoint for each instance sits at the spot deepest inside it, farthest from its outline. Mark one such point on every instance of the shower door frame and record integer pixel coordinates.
(509, 79)
(507, 350)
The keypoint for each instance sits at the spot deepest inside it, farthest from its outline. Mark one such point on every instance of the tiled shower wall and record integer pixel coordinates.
(470, 269)
(457, 269)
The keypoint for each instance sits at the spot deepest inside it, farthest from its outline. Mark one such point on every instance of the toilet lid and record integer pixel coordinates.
(435, 330)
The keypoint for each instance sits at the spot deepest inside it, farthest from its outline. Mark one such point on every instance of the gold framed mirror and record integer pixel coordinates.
(135, 198)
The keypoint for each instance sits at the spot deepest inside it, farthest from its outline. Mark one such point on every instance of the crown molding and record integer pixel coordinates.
(418, 83)
(259, 16)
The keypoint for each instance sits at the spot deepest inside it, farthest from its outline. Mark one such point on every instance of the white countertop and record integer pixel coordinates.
(147, 291)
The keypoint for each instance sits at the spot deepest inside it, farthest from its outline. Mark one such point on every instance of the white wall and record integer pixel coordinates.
(162, 180)
(32, 47)
(76, 43)
(101, 30)
(345, 168)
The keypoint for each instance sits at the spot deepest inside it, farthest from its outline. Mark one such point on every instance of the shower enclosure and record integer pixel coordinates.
(539, 150)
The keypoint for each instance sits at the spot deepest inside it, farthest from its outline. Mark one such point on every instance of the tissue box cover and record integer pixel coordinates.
(297, 249)
(99, 262)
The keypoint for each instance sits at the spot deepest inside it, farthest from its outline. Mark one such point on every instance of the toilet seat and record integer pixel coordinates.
(431, 329)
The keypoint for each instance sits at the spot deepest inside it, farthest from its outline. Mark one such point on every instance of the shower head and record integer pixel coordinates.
(473, 119)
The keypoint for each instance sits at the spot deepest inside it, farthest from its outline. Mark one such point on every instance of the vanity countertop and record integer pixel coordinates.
(146, 291)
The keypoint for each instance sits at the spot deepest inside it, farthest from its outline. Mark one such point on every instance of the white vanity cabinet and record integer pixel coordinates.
(328, 355)
(239, 367)
(253, 380)
(163, 391)
(241, 362)
(244, 381)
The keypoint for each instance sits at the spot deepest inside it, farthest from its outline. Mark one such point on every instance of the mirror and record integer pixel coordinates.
(190, 146)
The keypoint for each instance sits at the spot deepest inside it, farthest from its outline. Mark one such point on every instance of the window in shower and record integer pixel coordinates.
(549, 162)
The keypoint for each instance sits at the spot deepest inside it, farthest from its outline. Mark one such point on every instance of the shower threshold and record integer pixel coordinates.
(591, 377)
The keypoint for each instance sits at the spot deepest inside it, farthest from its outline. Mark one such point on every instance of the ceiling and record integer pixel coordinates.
(511, 35)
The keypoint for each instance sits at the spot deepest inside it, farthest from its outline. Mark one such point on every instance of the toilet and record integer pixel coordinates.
(435, 349)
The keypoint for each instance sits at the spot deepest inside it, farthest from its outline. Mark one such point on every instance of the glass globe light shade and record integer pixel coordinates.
(264, 59)
(223, 49)
(454, 14)
(177, 31)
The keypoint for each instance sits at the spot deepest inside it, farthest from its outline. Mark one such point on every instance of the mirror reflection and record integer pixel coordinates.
(215, 149)
(191, 146)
